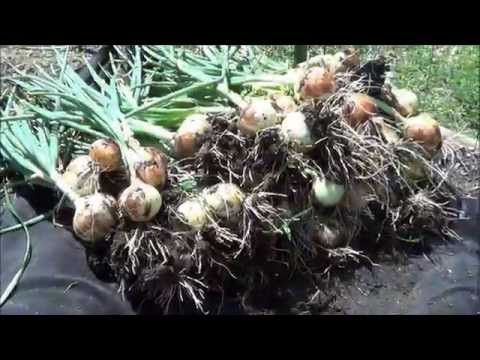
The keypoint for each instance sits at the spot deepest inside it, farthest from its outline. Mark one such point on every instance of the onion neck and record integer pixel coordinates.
(64, 187)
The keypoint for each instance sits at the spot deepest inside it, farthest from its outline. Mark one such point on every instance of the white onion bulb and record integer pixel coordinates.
(190, 134)
(224, 200)
(296, 131)
(258, 115)
(140, 201)
(407, 101)
(327, 193)
(193, 213)
(80, 176)
(95, 216)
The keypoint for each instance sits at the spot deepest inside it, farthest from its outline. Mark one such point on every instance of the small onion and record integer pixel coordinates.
(358, 109)
(190, 134)
(406, 101)
(106, 154)
(140, 201)
(285, 103)
(95, 216)
(224, 200)
(193, 213)
(296, 131)
(327, 193)
(152, 169)
(258, 115)
(318, 83)
(424, 129)
(80, 176)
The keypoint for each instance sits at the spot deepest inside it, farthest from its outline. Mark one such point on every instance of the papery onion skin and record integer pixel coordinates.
(190, 135)
(106, 154)
(358, 109)
(406, 102)
(140, 202)
(95, 216)
(193, 213)
(286, 104)
(256, 116)
(224, 200)
(80, 176)
(296, 131)
(425, 130)
(152, 169)
(318, 83)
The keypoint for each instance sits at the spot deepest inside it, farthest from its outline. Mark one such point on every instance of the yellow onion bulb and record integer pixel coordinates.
(190, 135)
(106, 154)
(358, 109)
(295, 130)
(80, 176)
(224, 200)
(95, 216)
(327, 193)
(256, 116)
(140, 202)
(152, 169)
(425, 130)
(285, 103)
(318, 83)
(406, 101)
(193, 213)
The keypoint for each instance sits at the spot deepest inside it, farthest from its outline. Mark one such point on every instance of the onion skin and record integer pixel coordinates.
(406, 102)
(80, 176)
(153, 169)
(106, 153)
(193, 213)
(224, 200)
(95, 216)
(358, 109)
(190, 135)
(388, 131)
(256, 116)
(318, 83)
(296, 131)
(425, 130)
(140, 202)
(286, 104)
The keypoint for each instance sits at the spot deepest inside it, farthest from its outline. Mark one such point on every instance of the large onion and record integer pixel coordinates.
(425, 130)
(296, 131)
(190, 135)
(327, 193)
(140, 201)
(193, 213)
(318, 83)
(406, 101)
(358, 108)
(95, 216)
(256, 116)
(152, 169)
(106, 154)
(80, 176)
(224, 200)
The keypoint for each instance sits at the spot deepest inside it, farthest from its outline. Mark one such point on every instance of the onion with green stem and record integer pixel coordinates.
(34, 153)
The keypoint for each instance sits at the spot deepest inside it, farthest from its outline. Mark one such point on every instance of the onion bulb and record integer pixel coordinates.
(152, 169)
(80, 176)
(388, 131)
(140, 201)
(224, 200)
(318, 83)
(327, 235)
(95, 216)
(106, 154)
(193, 213)
(327, 193)
(258, 115)
(296, 131)
(285, 103)
(190, 135)
(406, 101)
(358, 108)
(425, 130)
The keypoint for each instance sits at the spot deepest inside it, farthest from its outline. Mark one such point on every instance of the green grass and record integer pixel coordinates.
(445, 78)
